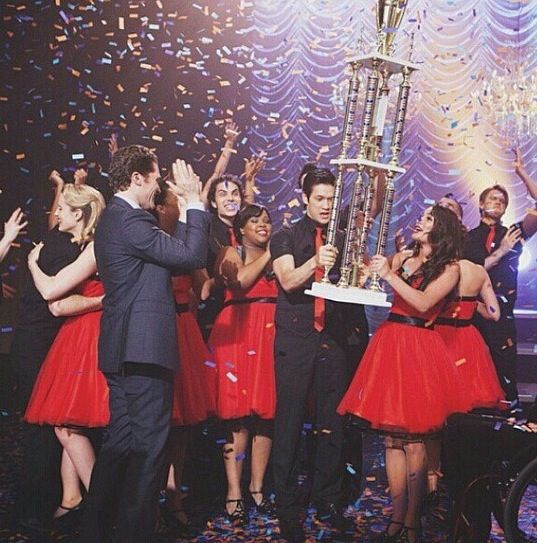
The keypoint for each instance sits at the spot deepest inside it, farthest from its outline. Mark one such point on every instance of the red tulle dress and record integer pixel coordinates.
(470, 353)
(70, 390)
(242, 345)
(406, 382)
(194, 395)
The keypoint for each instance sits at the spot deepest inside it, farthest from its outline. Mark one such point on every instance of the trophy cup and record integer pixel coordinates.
(353, 285)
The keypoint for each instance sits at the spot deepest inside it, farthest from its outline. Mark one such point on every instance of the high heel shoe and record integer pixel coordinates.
(265, 506)
(404, 537)
(178, 528)
(238, 516)
(386, 537)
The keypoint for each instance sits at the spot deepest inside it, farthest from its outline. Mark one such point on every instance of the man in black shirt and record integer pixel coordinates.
(225, 197)
(309, 353)
(498, 249)
(36, 330)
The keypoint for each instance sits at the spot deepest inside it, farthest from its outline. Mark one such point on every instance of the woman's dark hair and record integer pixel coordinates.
(446, 240)
(308, 167)
(226, 178)
(317, 176)
(126, 161)
(244, 215)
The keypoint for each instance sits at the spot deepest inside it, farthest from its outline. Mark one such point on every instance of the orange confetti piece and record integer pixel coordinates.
(460, 362)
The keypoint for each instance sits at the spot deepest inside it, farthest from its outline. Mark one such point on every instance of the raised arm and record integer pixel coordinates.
(235, 274)
(52, 287)
(424, 300)
(231, 133)
(252, 166)
(76, 304)
(489, 308)
(57, 184)
(520, 170)
(186, 252)
(12, 228)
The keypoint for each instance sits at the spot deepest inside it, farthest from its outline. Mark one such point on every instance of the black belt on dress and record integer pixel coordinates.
(181, 308)
(258, 300)
(457, 323)
(411, 321)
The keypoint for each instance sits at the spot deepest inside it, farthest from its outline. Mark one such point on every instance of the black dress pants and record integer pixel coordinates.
(130, 466)
(303, 364)
(38, 488)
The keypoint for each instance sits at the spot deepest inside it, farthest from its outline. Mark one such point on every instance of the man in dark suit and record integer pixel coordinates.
(138, 343)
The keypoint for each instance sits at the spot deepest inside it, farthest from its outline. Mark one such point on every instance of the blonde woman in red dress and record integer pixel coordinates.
(71, 393)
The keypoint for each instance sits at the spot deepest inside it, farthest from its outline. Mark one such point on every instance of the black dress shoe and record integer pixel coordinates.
(31, 525)
(291, 530)
(332, 515)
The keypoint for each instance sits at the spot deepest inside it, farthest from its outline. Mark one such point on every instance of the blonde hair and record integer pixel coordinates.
(91, 202)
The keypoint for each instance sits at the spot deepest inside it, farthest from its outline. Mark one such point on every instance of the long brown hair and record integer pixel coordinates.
(446, 240)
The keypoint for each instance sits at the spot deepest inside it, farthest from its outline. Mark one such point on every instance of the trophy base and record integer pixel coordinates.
(348, 295)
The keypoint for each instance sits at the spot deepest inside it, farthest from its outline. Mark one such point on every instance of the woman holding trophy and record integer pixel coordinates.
(407, 385)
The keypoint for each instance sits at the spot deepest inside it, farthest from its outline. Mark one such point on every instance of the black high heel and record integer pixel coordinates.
(404, 535)
(178, 528)
(265, 506)
(386, 537)
(239, 516)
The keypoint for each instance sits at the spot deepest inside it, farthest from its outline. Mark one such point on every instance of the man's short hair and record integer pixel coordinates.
(126, 161)
(499, 188)
(318, 176)
(226, 178)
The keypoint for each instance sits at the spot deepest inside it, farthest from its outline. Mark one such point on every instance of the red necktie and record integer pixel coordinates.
(232, 237)
(318, 307)
(490, 238)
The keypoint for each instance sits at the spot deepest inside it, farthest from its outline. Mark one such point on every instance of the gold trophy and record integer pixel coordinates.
(353, 286)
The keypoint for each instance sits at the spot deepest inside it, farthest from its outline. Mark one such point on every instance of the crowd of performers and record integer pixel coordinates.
(176, 302)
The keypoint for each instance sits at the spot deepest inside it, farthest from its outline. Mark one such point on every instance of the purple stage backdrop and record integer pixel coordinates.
(168, 74)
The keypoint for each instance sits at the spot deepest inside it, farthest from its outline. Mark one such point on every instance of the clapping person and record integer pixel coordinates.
(138, 341)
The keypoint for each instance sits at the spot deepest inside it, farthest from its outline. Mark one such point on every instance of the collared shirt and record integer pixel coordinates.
(131, 202)
(294, 310)
(505, 274)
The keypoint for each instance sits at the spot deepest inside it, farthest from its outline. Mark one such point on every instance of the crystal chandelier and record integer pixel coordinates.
(510, 100)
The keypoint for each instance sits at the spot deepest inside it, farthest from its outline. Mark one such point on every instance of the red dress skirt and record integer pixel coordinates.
(194, 396)
(470, 353)
(406, 382)
(70, 390)
(242, 344)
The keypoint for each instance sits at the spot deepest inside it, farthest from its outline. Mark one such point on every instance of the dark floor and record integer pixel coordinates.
(370, 512)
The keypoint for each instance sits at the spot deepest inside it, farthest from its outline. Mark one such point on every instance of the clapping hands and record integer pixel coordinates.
(185, 184)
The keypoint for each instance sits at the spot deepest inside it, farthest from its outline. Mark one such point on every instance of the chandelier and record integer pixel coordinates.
(510, 100)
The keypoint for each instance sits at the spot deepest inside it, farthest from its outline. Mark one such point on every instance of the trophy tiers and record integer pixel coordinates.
(369, 163)
(391, 64)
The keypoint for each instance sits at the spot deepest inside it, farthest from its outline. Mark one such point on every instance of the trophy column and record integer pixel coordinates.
(382, 66)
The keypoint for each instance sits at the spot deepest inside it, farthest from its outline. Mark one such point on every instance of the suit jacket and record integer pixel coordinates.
(134, 258)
